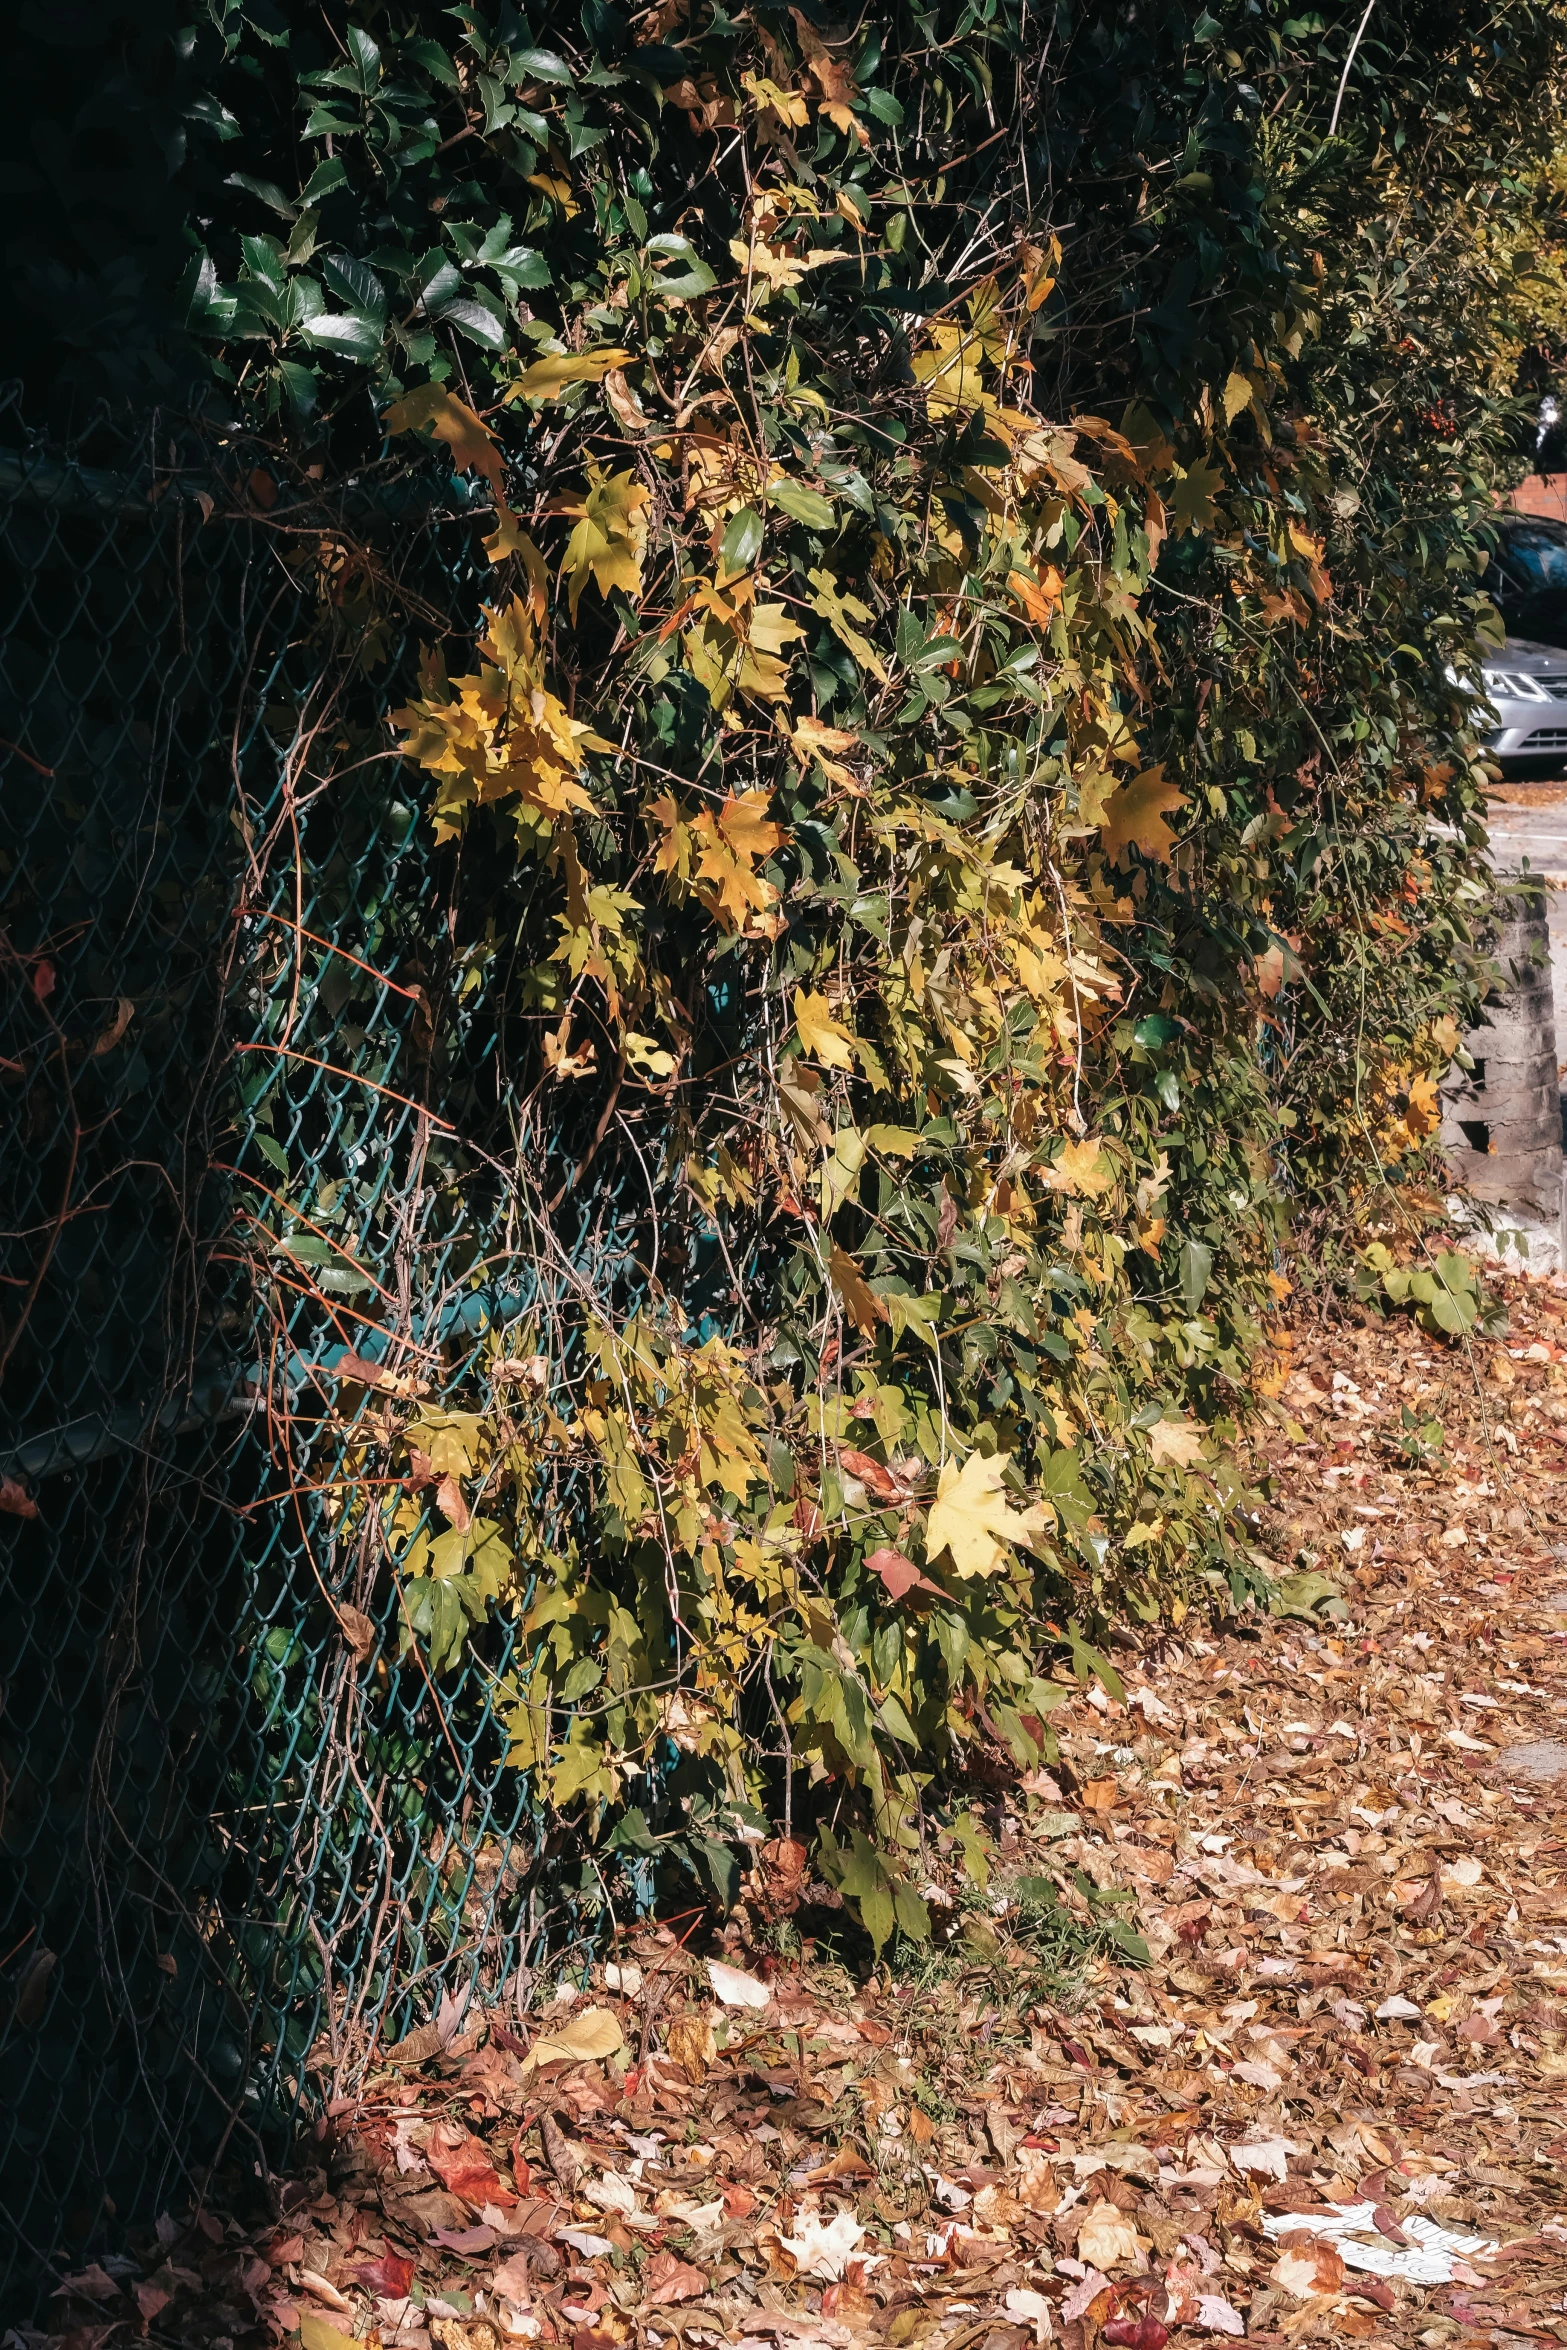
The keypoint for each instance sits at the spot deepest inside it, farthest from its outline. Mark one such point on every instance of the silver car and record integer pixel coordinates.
(1526, 685)
(1526, 680)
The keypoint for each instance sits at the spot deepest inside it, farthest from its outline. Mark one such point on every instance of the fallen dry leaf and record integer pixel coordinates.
(1107, 2238)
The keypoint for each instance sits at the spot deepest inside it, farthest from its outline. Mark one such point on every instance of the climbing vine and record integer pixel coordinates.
(963, 785)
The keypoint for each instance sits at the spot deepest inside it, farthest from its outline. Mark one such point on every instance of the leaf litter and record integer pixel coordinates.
(1332, 2103)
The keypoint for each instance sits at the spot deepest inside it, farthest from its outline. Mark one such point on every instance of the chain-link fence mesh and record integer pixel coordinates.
(260, 1117)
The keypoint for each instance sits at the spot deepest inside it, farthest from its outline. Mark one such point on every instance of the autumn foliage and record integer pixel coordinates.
(961, 790)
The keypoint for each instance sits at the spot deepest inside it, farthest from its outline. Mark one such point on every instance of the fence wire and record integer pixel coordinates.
(259, 1115)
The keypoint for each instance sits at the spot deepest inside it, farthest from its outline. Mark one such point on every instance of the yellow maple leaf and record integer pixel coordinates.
(810, 740)
(747, 827)
(548, 377)
(610, 536)
(1175, 1443)
(726, 880)
(1134, 816)
(860, 1302)
(970, 1518)
(1190, 502)
(431, 407)
(844, 615)
(498, 735)
(1082, 1170)
(820, 1034)
(950, 369)
(509, 538)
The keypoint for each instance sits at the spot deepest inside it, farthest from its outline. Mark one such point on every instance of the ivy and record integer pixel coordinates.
(973, 727)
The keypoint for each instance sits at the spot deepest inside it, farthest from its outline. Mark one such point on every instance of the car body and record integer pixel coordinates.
(1526, 679)
(1526, 685)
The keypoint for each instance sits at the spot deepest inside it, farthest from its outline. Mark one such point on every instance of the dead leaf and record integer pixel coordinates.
(588, 2038)
(690, 2042)
(358, 1630)
(667, 2279)
(1107, 2238)
(462, 2164)
(735, 1988)
(390, 2276)
(15, 1499)
(1307, 2267)
(91, 2283)
(511, 2280)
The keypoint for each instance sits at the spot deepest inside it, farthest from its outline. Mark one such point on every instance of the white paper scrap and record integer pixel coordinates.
(1426, 2260)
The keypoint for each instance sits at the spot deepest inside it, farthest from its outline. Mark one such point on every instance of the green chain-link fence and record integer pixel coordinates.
(243, 1034)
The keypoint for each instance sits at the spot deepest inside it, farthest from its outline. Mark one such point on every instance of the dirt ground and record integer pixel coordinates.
(1332, 2103)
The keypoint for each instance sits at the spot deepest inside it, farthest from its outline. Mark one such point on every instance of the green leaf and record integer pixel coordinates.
(351, 333)
(742, 541)
(1087, 1663)
(801, 504)
(697, 278)
(540, 65)
(1196, 1270)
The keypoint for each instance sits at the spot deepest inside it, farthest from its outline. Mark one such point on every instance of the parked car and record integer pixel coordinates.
(1526, 680)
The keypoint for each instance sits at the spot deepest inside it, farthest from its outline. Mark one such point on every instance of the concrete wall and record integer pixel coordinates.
(1502, 1127)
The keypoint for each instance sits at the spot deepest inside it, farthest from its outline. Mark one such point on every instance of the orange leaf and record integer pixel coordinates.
(900, 1574)
(1134, 816)
(1039, 596)
(860, 1302)
(880, 1480)
(449, 1495)
(666, 2279)
(15, 1499)
(462, 2164)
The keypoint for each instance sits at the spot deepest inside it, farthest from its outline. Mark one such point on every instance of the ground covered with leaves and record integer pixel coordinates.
(1331, 2102)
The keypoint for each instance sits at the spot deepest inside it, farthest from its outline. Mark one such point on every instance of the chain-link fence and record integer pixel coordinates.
(248, 1032)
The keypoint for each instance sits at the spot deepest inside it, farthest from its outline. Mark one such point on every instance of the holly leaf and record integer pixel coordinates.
(1134, 816)
(800, 504)
(972, 1520)
(820, 1034)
